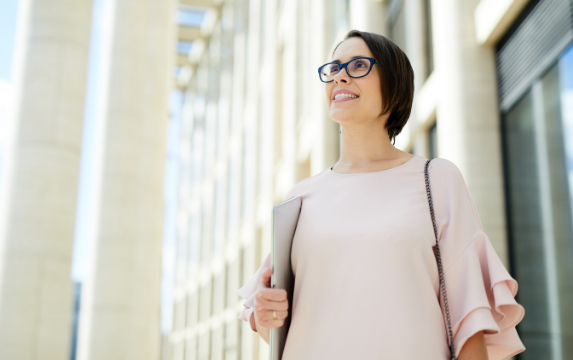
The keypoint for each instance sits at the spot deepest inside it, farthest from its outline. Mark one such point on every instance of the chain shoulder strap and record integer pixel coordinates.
(439, 258)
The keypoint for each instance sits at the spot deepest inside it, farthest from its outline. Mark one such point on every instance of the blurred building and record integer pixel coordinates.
(494, 94)
(119, 315)
(494, 85)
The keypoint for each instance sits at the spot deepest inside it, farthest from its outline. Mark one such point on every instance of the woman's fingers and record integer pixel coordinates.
(263, 304)
(266, 277)
(265, 311)
(268, 315)
(267, 320)
(271, 294)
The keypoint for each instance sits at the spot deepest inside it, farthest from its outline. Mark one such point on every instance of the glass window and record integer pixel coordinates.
(428, 38)
(194, 239)
(341, 13)
(433, 140)
(198, 156)
(566, 97)
(397, 20)
(210, 139)
(248, 172)
(192, 313)
(206, 224)
(220, 221)
(190, 17)
(538, 137)
(234, 195)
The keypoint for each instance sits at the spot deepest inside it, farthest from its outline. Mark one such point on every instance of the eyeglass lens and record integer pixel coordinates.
(355, 68)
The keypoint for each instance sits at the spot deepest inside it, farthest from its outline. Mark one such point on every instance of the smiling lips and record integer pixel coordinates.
(345, 97)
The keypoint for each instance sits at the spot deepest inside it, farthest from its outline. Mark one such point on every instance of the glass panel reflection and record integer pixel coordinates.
(539, 163)
(526, 227)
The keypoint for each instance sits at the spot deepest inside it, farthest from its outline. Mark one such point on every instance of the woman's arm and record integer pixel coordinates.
(474, 348)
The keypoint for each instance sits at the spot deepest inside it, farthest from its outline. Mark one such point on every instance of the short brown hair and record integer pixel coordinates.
(396, 78)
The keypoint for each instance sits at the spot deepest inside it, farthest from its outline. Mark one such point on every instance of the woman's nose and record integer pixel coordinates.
(340, 77)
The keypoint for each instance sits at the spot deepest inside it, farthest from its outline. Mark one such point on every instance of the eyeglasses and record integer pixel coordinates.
(355, 68)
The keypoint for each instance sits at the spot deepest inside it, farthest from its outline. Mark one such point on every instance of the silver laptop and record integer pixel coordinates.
(284, 221)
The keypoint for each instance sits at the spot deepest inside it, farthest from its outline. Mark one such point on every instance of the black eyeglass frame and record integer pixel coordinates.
(344, 66)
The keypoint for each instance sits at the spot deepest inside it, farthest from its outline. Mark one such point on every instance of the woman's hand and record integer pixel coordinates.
(267, 301)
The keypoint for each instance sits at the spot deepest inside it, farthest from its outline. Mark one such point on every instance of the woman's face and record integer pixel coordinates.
(368, 104)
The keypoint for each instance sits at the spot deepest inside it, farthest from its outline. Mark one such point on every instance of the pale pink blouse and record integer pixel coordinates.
(367, 284)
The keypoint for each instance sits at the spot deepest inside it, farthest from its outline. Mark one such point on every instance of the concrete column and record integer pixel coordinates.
(368, 15)
(120, 311)
(40, 179)
(325, 139)
(468, 120)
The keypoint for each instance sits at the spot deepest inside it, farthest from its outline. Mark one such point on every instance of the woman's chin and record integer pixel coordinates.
(341, 112)
(341, 118)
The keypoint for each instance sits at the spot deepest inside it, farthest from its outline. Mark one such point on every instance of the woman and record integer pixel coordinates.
(367, 283)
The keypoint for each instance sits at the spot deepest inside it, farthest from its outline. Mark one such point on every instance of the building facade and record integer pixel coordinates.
(493, 94)
(119, 314)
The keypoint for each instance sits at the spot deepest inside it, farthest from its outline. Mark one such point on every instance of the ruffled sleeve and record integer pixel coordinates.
(247, 292)
(480, 291)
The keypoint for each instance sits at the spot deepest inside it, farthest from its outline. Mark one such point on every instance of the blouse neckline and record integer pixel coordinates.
(374, 172)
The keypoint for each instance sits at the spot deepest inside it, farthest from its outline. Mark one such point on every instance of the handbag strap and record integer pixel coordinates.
(439, 258)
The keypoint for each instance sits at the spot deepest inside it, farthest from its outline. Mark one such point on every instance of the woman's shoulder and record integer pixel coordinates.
(445, 174)
(444, 168)
(450, 191)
